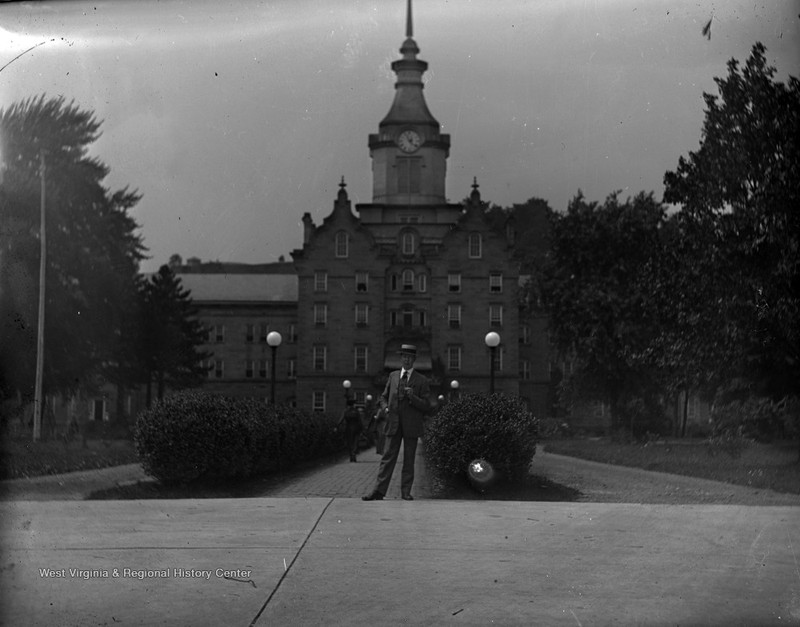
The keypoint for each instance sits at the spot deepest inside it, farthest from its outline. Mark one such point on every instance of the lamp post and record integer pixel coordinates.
(492, 340)
(274, 340)
(454, 389)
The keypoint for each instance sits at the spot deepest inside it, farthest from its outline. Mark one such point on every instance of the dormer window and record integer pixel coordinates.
(475, 246)
(342, 249)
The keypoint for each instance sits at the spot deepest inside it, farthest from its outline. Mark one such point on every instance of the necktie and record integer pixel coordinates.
(403, 383)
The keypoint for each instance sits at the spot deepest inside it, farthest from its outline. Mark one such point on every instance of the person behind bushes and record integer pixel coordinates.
(406, 401)
(380, 430)
(352, 423)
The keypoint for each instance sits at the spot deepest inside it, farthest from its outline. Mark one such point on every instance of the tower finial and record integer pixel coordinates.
(409, 24)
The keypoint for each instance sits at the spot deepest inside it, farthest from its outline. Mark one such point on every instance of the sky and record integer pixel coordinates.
(232, 119)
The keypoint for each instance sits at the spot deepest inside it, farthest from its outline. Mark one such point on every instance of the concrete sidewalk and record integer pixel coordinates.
(337, 561)
(332, 559)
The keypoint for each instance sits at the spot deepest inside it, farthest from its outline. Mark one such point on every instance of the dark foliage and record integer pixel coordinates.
(193, 436)
(494, 427)
(92, 257)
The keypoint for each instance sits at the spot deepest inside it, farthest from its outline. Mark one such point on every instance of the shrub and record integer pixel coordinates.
(192, 436)
(302, 437)
(497, 428)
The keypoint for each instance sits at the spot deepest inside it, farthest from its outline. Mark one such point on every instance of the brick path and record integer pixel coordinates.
(345, 479)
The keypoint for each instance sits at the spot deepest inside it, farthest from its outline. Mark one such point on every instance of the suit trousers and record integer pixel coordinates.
(389, 459)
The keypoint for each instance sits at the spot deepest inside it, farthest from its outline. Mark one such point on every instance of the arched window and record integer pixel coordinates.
(408, 280)
(342, 245)
(408, 243)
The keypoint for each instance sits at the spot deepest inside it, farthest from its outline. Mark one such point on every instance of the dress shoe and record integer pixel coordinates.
(407, 497)
(374, 496)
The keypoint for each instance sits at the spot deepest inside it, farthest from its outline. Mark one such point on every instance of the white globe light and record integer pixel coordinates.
(274, 339)
(346, 383)
(454, 384)
(492, 339)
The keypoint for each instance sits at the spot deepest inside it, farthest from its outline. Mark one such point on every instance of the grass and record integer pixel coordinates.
(771, 466)
(25, 458)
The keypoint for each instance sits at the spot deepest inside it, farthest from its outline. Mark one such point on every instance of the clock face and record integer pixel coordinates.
(409, 141)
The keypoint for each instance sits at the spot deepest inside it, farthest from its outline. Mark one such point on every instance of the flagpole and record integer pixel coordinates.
(37, 399)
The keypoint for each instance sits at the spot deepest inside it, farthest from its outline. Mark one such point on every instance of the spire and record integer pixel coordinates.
(409, 25)
(342, 192)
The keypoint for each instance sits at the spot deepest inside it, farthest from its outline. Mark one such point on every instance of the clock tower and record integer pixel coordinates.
(409, 153)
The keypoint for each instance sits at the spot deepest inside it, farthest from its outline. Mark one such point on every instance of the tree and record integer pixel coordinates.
(93, 250)
(172, 335)
(739, 197)
(595, 289)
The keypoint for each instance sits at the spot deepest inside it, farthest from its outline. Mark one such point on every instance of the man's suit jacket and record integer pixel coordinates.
(409, 411)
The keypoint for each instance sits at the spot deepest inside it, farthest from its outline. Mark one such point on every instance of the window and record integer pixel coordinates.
(321, 281)
(263, 330)
(320, 354)
(320, 314)
(422, 282)
(454, 316)
(360, 397)
(525, 334)
(393, 319)
(342, 250)
(249, 366)
(362, 314)
(496, 282)
(292, 334)
(219, 369)
(408, 242)
(393, 282)
(423, 318)
(362, 281)
(408, 317)
(525, 370)
(475, 248)
(318, 401)
(219, 333)
(409, 218)
(454, 282)
(250, 333)
(291, 369)
(360, 359)
(495, 315)
(454, 358)
(262, 368)
(408, 175)
(408, 280)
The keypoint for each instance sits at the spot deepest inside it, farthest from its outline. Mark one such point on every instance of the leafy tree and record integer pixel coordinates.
(598, 297)
(739, 197)
(172, 335)
(92, 255)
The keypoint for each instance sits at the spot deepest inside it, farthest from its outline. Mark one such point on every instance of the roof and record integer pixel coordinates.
(241, 287)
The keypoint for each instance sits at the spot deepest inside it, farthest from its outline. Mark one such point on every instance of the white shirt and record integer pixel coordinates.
(405, 372)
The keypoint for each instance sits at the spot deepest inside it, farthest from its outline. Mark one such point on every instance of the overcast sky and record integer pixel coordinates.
(234, 118)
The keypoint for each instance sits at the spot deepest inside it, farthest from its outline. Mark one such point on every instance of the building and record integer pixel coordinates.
(407, 267)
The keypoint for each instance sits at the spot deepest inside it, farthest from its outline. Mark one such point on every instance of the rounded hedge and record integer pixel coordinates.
(193, 436)
(497, 428)
(190, 436)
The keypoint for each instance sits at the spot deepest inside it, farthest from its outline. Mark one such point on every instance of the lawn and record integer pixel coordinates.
(771, 466)
(25, 458)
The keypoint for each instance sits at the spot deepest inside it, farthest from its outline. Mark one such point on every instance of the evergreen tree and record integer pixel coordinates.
(92, 253)
(172, 335)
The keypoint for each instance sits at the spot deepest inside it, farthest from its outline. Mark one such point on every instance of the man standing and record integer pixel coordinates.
(406, 401)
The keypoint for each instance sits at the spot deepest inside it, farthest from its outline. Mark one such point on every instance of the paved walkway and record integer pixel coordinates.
(335, 560)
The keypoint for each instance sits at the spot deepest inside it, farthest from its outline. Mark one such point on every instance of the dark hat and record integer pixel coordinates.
(407, 349)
